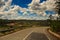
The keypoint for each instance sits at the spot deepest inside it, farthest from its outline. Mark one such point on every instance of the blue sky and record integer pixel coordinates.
(23, 3)
(27, 9)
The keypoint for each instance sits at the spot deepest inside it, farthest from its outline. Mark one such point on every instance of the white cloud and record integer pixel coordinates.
(40, 8)
(34, 7)
(33, 2)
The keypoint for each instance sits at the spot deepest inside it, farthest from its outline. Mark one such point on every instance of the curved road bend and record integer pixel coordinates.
(39, 33)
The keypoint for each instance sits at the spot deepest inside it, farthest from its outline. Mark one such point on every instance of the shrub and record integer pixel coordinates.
(55, 25)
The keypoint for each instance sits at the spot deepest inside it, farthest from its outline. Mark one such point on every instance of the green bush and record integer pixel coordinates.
(55, 25)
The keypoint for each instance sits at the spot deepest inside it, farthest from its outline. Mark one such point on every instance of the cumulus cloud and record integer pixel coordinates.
(33, 2)
(8, 11)
(40, 8)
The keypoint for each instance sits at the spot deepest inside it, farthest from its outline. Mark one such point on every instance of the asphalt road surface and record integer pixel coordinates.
(37, 36)
(39, 33)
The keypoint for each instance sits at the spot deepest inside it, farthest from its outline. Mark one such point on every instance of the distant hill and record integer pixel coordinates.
(33, 22)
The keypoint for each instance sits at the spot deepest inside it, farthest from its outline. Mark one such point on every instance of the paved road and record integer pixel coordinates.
(37, 36)
(43, 34)
(36, 32)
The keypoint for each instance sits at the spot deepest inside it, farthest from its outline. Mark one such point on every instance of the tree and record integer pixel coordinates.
(58, 6)
(55, 24)
(50, 17)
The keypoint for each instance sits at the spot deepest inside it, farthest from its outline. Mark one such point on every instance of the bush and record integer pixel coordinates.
(55, 25)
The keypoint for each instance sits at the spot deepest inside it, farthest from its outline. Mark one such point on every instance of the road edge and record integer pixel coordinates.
(53, 33)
